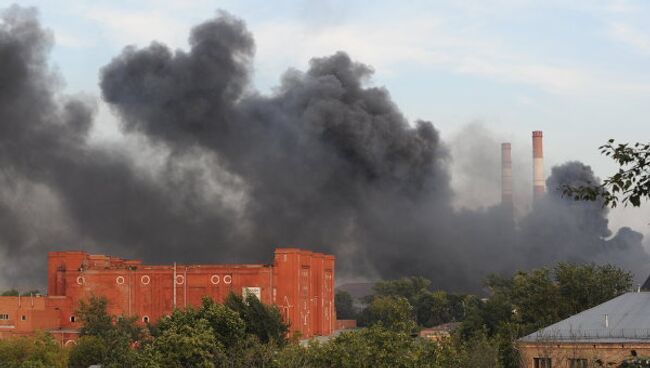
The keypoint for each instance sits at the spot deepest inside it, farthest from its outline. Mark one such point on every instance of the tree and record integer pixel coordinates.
(344, 305)
(10, 292)
(544, 296)
(94, 317)
(40, 351)
(89, 350)
(584, 286)
(407, 287)
(629, 185)
(527, 301)
(116, 336)
(227, 325)
(183, 343)
(263, 321)
(430, 308)
(392, 313)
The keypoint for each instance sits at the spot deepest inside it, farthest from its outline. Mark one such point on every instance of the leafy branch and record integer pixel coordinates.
(628, 186)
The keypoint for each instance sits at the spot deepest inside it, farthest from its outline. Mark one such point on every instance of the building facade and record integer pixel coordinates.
(299, 282)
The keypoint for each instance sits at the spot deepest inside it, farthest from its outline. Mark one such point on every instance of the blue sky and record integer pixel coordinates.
(578, 70)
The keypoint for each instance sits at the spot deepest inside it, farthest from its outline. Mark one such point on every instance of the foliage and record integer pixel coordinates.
(263, 321)
(183, 343)
(407, 287)
(10, 292)
(249, 352)
(430, 308)
(544, 296)
(40, 351)
(94, 317)
(16, 292)
(584, 286)
(636, 363)
(89, 350)
(377, 346)
(117, 337)
(629, 185)
(527, 301)
(393, 313)
(226, 324)
(344, 305)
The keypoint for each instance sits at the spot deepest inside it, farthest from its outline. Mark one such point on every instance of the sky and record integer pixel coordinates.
(578, 70)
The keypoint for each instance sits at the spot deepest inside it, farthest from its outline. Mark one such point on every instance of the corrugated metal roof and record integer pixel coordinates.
(625, 318)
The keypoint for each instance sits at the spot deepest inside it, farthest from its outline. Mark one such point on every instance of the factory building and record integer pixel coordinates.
(299, 282)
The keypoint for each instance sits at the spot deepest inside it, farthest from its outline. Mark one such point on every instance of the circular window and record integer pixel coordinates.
(227, 279)
(145, 319)
(180, 279)
(81, 280)
(145, 280)
(214, 279)
(119, 280)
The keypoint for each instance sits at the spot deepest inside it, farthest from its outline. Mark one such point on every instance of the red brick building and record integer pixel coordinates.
(299, 282)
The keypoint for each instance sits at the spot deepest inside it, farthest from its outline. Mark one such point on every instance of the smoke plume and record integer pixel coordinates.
(325, 162)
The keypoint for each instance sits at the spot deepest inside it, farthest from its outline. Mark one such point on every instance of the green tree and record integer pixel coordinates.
(263, 321)
(93, 315)
(407, 287)
(183, 343)
(344, 305)
(393, 313)
(40, 351)
(249, 352)
(430, 308)
(10, 292)
(544, 296)
(527, 301)
(117, 336)
(370, 347)
(629, 185)
(228, 327)
(89, 350)
(584, 286)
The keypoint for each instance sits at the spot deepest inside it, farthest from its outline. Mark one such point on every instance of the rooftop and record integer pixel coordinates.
(625, 318)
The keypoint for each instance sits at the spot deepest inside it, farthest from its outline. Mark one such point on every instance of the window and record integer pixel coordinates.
(542, 362)
(578, 363)
(72, 319)
(23, 318)
(145, 319)
(4, 317)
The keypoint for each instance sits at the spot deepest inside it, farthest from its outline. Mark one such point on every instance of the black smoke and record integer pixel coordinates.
(326, 162)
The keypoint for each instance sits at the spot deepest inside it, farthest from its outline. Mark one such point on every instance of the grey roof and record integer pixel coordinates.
(628, 320)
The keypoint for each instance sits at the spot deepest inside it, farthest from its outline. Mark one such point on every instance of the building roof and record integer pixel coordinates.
(625, 318)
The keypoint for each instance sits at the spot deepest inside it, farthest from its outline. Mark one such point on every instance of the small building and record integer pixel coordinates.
(603, 336)
(439, 332)
(299, 282)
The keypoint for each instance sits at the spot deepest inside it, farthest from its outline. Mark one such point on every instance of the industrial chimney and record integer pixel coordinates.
(539, 187)
(506, 175)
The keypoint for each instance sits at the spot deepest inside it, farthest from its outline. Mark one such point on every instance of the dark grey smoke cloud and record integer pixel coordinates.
(325, 162)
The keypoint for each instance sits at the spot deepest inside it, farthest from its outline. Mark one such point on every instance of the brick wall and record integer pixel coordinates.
(596, 354)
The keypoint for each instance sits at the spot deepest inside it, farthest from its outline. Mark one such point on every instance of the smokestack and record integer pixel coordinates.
(506, 175)
(539, 188)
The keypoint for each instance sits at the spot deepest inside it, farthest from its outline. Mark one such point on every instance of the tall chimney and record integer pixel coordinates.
(506, 175)
(539, 187)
